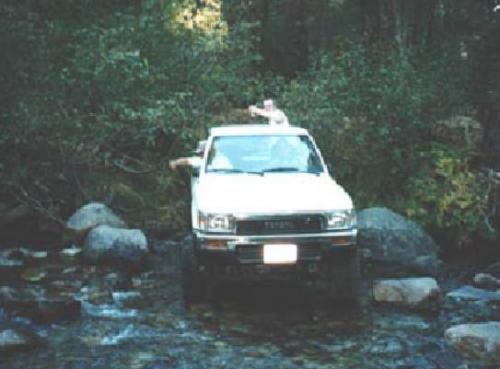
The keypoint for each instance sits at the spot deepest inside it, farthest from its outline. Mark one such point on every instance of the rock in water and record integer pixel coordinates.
(37, 304)
(479, 343)
(91, 216)
(11, 339)
(487, 281)
(415, 293)
(396, 240)
(105, 243)
(469, 293)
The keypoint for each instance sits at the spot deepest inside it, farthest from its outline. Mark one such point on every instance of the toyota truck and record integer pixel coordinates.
(265, 206)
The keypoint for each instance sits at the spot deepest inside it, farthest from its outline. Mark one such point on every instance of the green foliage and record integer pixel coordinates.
(445, 193)
(370, 115)
(105, 102)
(97, 96)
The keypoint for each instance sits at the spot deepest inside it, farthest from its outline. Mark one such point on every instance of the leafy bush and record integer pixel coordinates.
(447, 195)
(113, 97)
(370, 114)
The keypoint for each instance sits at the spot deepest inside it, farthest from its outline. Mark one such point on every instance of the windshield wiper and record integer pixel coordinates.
(225, 170)
(280, 169)
(232, 170)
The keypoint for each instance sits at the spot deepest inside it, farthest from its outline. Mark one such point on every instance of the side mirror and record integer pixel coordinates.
(195, 172)
(330, 169)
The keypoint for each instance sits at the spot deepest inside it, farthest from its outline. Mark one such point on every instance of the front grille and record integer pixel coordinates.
(254, 253)
(280, 225)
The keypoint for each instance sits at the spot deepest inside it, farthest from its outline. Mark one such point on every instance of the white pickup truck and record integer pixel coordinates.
(264, 206)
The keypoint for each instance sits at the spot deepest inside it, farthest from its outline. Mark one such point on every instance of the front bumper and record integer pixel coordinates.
(231, 249)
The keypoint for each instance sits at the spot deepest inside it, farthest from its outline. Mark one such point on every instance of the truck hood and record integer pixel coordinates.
(270, 193)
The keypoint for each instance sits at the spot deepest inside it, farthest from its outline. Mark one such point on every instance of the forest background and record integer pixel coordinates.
(96, 96)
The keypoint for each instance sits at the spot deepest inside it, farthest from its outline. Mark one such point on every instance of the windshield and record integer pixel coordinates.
(263, 154)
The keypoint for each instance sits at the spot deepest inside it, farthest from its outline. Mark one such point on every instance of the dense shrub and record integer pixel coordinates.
(370, 115)
(112, 99)
(97, 96)
(447, 195)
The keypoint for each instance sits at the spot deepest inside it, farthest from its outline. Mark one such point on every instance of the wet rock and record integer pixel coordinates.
(478, 343)
(96, 295)
(107, 244)
(493, 270)
(37, 304)
(91, 216)
(10, 269)
(470, 293)
(108, 311)
(416, 293)
(71, 252)
(486, 281)
(34, 275)
(165, 247)
(397, 241)
(459, 131)
(32, 254)
(127, 298)
(389, 347)
(13, 339)
(58, 309)
(9, 264)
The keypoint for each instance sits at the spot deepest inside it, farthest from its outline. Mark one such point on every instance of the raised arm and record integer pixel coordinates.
(184, 161)
(254, 110)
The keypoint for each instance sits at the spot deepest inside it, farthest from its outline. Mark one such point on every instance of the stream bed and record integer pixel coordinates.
(139, 321)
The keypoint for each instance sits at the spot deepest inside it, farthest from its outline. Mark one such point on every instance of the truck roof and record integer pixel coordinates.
(256, 129)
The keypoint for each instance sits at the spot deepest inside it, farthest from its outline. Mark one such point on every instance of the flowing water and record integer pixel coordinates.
(140, 322)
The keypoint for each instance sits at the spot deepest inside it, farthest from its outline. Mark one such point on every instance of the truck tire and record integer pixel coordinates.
(343, 278)
(195, 288)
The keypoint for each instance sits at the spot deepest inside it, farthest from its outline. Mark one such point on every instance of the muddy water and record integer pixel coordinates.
(143, 324)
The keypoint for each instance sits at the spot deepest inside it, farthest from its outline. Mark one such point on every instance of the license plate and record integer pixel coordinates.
(280, 254)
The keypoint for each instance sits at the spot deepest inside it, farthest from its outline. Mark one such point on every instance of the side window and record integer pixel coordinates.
(313, 160)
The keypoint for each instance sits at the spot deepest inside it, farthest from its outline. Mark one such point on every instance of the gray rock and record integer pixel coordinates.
(486, 281)
(415, 293)
(11, 339)
(470, 293)
(493, 270)
(37, 304)
(91, 216)
(105, 243)
(478, 343)
(396, 240)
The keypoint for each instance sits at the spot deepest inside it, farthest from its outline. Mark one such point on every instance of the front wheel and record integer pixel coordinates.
(343, 278)
(195, 288)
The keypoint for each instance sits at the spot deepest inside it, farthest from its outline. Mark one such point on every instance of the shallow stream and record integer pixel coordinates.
(140, 322)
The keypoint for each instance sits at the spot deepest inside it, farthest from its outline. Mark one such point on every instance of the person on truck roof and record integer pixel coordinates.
(276, 116)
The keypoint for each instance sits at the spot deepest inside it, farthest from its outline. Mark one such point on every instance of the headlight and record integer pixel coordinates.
(216, 223)
(341, 219)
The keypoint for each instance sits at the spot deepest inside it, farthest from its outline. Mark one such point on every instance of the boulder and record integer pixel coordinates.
(91, 216)
(397, 241)
(13, 339)
(414, 293)
(478, 343)
(110, 244)
(459, 131)
(486, 281)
